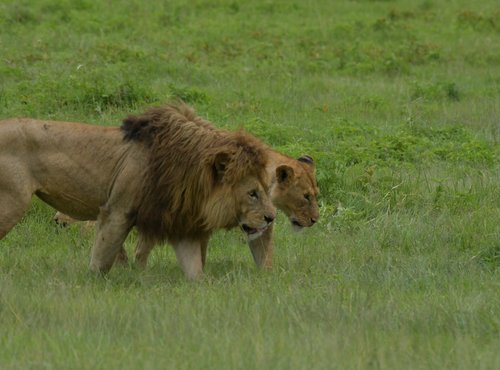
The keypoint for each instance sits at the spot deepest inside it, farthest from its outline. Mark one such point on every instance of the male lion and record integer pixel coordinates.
(170, 177)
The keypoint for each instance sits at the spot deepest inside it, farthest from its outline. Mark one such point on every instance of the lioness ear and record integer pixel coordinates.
(220, 164)
(284, 174)
(306, 159)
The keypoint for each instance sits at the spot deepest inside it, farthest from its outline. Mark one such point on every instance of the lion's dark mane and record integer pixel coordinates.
(180, 176)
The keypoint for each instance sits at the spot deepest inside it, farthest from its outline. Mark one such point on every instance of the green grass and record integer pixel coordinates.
(397, 101)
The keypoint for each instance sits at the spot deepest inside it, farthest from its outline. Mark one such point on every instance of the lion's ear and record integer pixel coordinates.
(284, 174)
(220, 164)
(306, 159)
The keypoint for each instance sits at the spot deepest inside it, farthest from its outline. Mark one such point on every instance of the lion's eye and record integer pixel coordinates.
(253, 194)
(307, 197)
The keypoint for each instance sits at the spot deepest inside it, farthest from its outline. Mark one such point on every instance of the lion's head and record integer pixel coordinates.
(251, 204)
(242, 188)
(295, 192)
(199, 178)
(246, 201)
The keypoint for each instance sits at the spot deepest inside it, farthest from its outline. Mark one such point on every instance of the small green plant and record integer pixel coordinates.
(436, 91)
(188, 95)
(478, 21)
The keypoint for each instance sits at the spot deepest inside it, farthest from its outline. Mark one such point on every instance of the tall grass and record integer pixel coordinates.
(397, 101)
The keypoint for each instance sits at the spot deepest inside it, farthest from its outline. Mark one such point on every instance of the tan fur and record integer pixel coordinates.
(166, 171)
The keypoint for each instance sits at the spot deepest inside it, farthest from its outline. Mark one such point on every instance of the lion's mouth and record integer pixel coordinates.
(253, 231)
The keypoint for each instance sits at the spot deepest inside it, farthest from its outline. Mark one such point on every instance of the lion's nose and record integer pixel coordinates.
(269, 219)
(313, 221)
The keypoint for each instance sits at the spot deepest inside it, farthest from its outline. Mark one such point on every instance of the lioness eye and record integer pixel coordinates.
(253, 194)
(308, 197)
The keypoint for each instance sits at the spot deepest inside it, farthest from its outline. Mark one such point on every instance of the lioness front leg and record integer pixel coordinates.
(112, 229)
(262, 249)
(188, 254)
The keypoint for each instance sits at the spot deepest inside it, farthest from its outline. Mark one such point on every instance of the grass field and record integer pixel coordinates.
(397, 101)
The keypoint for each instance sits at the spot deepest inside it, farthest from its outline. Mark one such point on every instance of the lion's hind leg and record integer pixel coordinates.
(13, 206)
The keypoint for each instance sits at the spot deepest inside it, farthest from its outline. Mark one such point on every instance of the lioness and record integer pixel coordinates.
(170, 177)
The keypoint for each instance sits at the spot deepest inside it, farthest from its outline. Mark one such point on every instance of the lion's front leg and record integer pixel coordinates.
(262, 249)
(188, 254)
(112, 229)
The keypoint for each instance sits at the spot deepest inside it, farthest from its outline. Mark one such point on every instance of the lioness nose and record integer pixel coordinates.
(313, 221)
(269, 219)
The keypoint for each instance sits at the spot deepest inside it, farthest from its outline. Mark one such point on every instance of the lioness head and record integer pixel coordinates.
(295, 192)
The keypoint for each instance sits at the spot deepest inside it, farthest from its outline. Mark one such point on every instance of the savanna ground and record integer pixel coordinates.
(398, 102)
